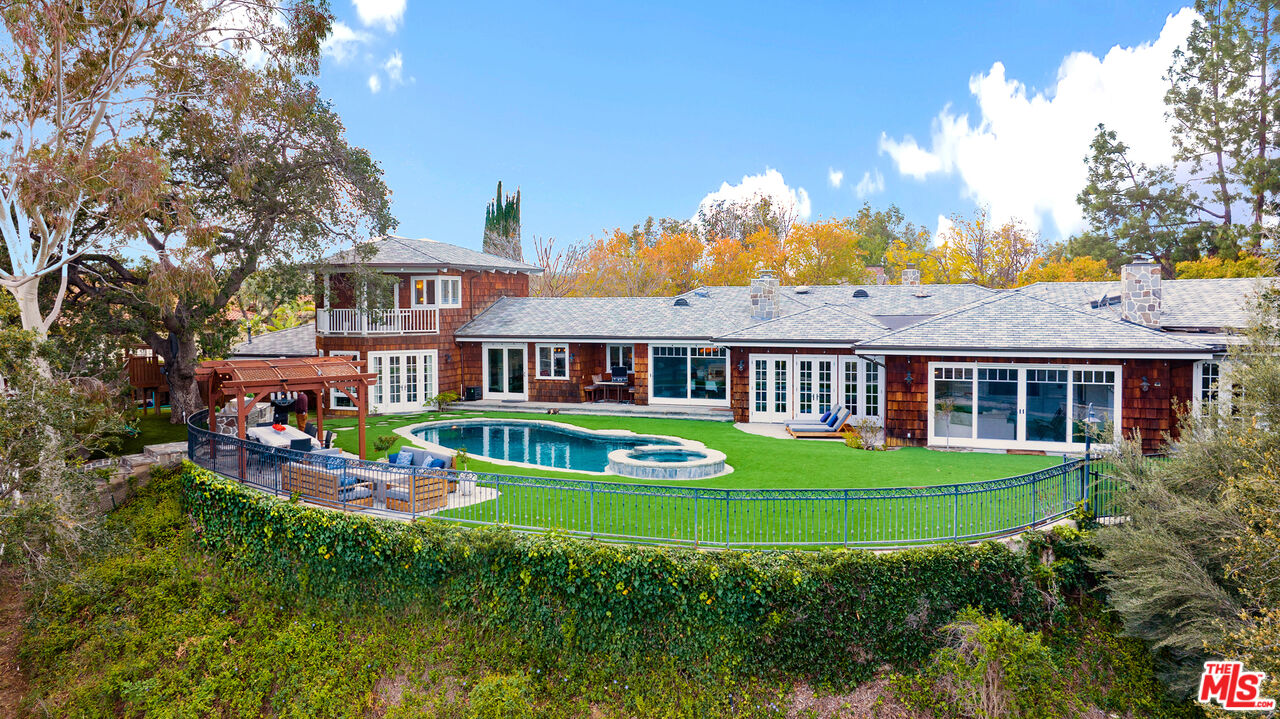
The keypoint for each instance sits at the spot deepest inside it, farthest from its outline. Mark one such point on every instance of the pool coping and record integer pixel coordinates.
(407, 433)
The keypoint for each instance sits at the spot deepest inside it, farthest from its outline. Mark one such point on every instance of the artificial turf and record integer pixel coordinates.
(758, 462)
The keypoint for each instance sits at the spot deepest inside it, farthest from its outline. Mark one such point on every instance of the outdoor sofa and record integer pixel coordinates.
(423, 482)
(326, 476)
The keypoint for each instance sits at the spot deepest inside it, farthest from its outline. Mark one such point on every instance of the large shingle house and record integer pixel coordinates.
(954, 365)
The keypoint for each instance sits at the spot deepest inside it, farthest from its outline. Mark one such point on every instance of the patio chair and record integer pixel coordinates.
(591, 389)
(813, 429)
(301, 445)
(421, 491)
(329, 436)
(327, 482)
(312, 429)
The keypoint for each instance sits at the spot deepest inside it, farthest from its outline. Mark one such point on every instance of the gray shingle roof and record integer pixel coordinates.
(393, 251)
(297, 341)
(1212, 304)
(828, 323)
(1017, 321)
(893, 300)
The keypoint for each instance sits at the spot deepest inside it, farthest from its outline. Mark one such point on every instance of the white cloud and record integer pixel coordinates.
(375, 84)
(394, 66)
(835, 177)
(872, 182)
(942, 232)
(387, 13)
(787, 201)
(343, 42)
(1025, 156)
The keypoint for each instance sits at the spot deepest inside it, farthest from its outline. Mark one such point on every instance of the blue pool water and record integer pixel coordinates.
(534, 444)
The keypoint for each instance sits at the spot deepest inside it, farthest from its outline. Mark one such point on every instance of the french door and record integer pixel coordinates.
(406, 380)
(770, 388)
(504, 371)
(815, 385)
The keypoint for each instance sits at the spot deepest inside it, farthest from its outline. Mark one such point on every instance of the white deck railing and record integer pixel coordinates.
(378, 322)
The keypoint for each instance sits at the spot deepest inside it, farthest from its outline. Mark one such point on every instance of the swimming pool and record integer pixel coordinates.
(545, 444)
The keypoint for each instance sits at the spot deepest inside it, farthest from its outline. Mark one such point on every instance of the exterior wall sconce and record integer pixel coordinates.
(1145, 384)
(742, 365)
(909, 378)
(448, 356)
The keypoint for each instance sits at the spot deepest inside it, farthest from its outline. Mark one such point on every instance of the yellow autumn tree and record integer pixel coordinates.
(675, 260)
(1216, 267)
(613, 267)
(979, 250)
(822, 253)
(911, 250)
(1076, 269)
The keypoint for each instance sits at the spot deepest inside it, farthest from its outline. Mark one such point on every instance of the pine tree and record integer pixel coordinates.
(502, 226)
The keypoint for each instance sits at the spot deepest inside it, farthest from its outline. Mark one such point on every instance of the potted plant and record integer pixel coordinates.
(468, 479)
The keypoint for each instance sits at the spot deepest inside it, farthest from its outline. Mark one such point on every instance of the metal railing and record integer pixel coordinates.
(421, 320)
(656, 514)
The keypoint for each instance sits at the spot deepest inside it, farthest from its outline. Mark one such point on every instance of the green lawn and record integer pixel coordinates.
(758, 462)
(698, 512)
(152, 429)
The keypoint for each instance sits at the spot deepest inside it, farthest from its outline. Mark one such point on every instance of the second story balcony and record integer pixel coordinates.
(416, 321)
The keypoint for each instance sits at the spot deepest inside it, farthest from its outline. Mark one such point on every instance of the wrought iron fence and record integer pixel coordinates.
(655, 514)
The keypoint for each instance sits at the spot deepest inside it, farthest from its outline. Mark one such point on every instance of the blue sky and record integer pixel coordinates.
(606, 113)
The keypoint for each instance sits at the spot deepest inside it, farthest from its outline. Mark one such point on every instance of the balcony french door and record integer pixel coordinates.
(770, 388)
(504, 371)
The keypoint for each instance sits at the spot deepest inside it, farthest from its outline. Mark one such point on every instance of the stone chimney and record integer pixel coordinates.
(1140, 300)
(877, 274)
(910, 275)
(764, 296)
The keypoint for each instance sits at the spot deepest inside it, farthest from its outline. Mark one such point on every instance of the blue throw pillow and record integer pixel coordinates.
(349, 480)
(436, 463)
(404, 459)
(334, 463)
(826, 417)
(835, 417)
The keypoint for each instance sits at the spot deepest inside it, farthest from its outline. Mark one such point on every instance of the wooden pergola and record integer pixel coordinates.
(227, 379)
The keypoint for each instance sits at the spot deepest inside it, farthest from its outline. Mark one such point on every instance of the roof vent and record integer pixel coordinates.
(680, 302)
(921, 293)
(860, 293)
(802, 289)
(702, 292)
(1105, 302)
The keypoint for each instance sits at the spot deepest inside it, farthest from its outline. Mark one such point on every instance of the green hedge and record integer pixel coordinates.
(832, 615)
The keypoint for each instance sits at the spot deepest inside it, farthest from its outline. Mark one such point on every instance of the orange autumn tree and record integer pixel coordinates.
(613, 267)
(675, 259)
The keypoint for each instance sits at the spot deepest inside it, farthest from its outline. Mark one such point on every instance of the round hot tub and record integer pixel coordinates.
(652, 461)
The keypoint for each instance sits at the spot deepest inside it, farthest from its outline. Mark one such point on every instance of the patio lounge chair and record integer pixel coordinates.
(812, 429)
(326, 480)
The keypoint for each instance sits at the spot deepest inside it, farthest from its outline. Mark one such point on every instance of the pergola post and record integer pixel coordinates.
(362, 404)
(320, 397)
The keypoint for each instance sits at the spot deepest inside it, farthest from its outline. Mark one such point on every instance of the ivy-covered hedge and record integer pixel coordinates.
(832, 615)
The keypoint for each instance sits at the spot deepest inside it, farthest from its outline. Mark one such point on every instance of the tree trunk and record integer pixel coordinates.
(180, 371)
(27, 296)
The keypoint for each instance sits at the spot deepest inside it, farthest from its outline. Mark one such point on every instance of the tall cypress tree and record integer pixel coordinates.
(502, 225)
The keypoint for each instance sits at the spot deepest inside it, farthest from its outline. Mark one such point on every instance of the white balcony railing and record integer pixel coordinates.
(423, 321)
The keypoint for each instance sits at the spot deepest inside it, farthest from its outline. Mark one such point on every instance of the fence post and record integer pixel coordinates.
(497, 499)
(846, 518)
(593, 510)
(726, 518)
(695, 518)
(955, 512)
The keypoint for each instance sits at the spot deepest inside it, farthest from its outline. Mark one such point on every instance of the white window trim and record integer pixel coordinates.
(859, 407)
(457, 298)
(336, 394)
(728, 377)
(608, 354)
(1224, 387)
(428, 385)
(413, 287)
(1020, 442)
(484, 365)
(537, 361)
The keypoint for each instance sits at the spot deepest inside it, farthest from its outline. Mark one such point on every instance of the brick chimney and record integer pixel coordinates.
(877, 274)
(1140, 300)
(764, 296)
(910, 275)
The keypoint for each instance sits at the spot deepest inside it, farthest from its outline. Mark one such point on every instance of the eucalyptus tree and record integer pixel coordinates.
(265, 181)
(79, 82)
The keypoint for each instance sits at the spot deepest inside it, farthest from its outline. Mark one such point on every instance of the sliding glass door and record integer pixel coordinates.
(1019, 406)
(691, 374)
(504, 369)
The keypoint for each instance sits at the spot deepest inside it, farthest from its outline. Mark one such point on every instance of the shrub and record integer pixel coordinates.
(832, 615)
(502, 697)
(852, 440)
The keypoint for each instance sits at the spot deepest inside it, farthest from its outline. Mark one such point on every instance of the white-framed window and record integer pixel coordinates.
(1212, 386)
(622, 356)
(696, 374)
(338, 400)
(871, 387)
(422, 291)
(553, 361)
(1034, 406)
(449, 291)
